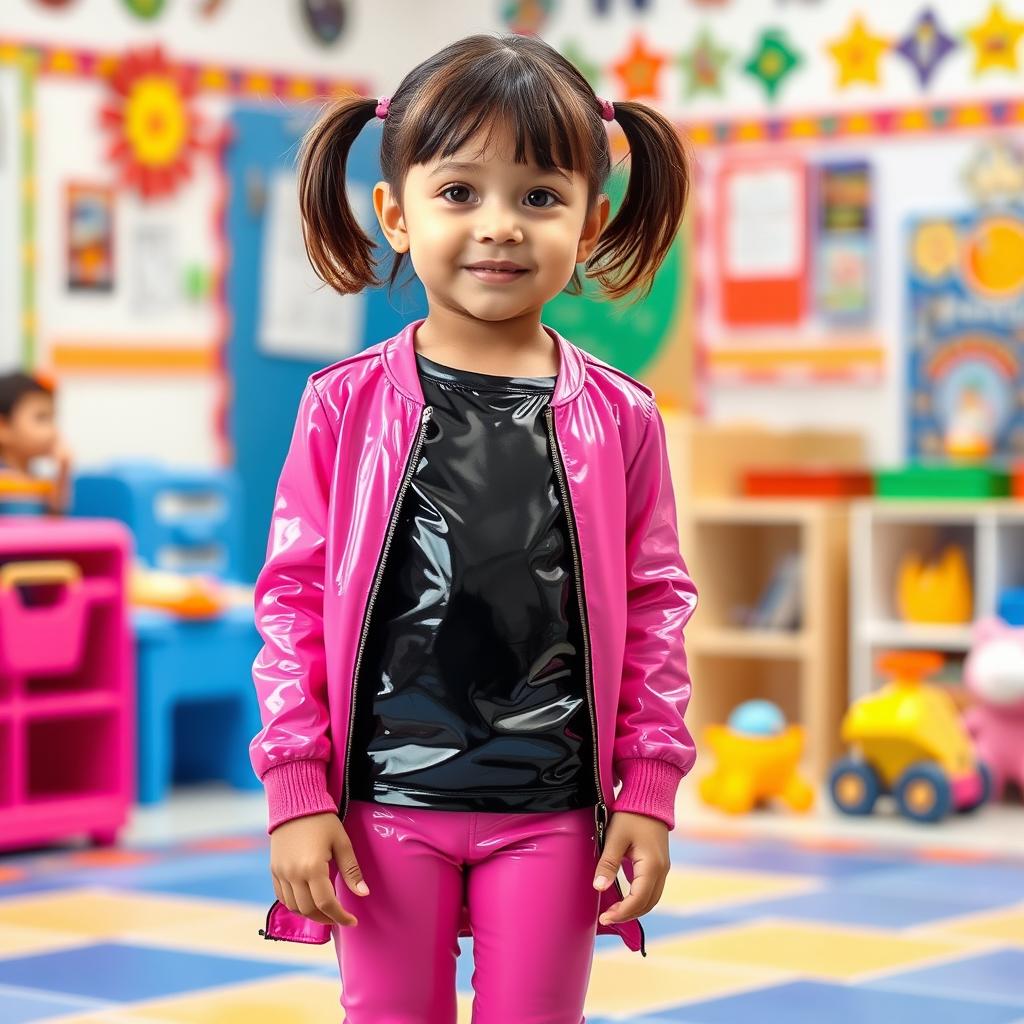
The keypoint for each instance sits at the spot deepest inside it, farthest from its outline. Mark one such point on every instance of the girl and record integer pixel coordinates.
(473, 601)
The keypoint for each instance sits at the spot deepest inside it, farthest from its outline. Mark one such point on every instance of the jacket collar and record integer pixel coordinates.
(399, 358)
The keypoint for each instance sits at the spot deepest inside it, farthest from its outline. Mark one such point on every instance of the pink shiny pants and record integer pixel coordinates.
(527, 880)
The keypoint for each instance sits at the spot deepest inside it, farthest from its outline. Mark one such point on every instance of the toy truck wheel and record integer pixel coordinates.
(923, 793)
(854, 786)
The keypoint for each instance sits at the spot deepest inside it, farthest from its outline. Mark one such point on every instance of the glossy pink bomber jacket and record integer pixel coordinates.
(360, 425)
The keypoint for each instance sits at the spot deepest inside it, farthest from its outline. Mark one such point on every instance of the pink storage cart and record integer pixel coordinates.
(67, 684)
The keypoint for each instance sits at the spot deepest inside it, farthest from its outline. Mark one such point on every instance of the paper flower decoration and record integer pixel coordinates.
(153, 127)
(527, 17)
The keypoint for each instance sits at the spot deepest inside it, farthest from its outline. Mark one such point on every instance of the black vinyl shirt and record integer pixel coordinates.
(471, 693)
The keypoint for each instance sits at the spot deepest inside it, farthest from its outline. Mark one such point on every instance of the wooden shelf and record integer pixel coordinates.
(912, 634)
(748, 643)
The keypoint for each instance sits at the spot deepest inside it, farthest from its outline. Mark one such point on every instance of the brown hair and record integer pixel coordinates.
(485, 83)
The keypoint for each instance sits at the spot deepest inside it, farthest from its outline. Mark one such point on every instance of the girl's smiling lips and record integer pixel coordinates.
(496, 271)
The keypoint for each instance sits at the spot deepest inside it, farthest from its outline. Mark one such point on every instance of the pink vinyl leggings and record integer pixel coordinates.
(527, 880)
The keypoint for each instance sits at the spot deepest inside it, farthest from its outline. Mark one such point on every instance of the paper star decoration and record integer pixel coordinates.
(703, 65)
(773, 60)
(995, 41)
(587, 68)
(638, 70)
(925, 46)
(857, 54)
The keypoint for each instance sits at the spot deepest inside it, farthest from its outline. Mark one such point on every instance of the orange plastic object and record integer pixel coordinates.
(936, 592)
(912, 664)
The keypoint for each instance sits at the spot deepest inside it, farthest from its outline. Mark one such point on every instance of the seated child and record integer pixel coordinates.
(28, 435)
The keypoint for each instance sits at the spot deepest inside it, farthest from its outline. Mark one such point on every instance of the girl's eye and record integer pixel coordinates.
(543, 192)
(455, 188)
(451, 189)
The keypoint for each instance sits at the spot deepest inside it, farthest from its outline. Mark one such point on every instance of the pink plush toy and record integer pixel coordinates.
(994, 675)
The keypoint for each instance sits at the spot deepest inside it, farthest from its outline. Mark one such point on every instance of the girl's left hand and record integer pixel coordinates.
(645, 839)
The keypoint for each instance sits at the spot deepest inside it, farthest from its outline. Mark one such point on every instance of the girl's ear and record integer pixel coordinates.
(592, 228)
(390, 216)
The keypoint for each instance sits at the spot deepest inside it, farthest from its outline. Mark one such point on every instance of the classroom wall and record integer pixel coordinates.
(921, 173)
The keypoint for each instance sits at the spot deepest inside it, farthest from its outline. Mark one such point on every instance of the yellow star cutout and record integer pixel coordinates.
(995, 41)
(857, 54)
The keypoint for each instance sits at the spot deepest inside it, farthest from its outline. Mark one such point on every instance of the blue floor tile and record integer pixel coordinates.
(806, 1002)
(975, 885)
(22, 1007)
(998, 975)
(122, 973)
(842, 905)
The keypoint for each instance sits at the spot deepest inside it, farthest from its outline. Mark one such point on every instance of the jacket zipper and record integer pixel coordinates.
(410, 467)
(601, 810)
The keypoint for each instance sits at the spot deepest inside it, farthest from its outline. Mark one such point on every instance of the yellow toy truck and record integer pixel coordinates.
(908, 741)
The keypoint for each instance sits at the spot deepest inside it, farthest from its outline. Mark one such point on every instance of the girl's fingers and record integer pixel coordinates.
(289, 896)
(327, 902)
(633, 905)
(278, 891)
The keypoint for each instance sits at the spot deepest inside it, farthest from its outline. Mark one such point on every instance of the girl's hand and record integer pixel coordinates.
(300, 851)
(645, 839)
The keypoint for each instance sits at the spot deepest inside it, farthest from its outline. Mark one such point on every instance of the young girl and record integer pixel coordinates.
(473, 601)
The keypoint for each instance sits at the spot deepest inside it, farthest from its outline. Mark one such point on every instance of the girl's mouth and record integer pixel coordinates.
(495, 276)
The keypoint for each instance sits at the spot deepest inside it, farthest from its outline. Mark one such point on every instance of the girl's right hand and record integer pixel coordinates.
(300, 851)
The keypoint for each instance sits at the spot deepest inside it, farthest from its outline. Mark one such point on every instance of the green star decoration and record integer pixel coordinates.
(587, 68)
(703, 65)
(773, 60)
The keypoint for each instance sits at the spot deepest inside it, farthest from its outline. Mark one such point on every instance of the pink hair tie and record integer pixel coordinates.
(383, 106)
(607, 109)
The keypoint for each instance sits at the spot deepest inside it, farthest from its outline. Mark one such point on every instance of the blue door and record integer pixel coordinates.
(265, 368)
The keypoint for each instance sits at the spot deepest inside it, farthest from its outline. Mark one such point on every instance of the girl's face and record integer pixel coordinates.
(476, 206)
(31, 429)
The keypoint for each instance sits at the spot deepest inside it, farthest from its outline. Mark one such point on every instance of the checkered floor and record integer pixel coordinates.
(748, 929)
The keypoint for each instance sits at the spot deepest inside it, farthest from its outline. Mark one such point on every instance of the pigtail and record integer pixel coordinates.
(338, 248)
(636, 241)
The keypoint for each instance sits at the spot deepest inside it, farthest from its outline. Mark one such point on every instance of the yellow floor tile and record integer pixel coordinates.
(16, 940)
(819, 950)
(625, 982)
(289, 999)
(233, 931)
(687, 889)
(103, 913)
(1006, 926)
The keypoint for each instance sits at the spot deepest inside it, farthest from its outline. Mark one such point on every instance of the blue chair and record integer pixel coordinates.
(197, 708)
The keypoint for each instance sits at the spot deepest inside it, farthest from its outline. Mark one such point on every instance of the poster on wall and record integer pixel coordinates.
(90, 237)
(966, 345)
(762, 241)
(842, 250)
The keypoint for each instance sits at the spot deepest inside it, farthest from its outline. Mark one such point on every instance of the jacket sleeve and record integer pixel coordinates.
(653, 747)
(290, 753)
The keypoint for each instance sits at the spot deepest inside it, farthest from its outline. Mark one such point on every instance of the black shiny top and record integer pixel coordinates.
(471, 693)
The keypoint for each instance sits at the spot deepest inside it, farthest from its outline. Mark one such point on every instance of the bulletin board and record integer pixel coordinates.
(120, 242)
(800, 243)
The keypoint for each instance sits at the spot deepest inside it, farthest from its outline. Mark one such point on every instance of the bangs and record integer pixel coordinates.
(545, 122)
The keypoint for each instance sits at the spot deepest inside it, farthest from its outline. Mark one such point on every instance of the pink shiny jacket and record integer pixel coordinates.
(359, 427)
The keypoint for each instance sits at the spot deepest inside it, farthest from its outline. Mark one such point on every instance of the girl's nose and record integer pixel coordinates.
(498, 226)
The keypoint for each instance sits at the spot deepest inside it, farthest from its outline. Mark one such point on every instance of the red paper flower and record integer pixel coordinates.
(154, 127)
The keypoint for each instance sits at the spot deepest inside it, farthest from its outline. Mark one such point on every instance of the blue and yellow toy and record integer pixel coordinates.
(910, 742)
(758, 757)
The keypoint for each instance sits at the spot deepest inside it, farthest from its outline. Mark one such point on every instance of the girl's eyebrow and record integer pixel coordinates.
(463, 165)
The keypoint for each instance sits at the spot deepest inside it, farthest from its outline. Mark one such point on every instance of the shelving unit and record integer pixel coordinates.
(732, 545)
(882, 531)
(736, 544)
(67, 698)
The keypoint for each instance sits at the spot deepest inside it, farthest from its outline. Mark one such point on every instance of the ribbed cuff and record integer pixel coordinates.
(295, 789)
(649, 787)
